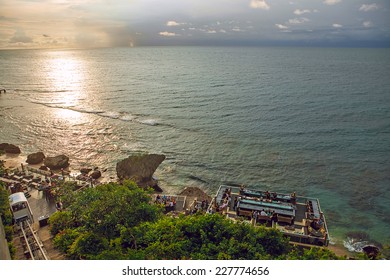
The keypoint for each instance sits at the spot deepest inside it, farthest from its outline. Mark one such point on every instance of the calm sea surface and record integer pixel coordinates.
(311, 120)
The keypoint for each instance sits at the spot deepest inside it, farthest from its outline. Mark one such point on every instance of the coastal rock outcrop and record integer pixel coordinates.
(96, 174)
(371, 251)
(44, 168)
(140, 168)
(85, 170)
(35, 158)
(195, 192)
(57, 162)
(10, 148)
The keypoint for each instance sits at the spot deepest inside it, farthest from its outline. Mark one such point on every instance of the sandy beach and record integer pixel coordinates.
(12, 161)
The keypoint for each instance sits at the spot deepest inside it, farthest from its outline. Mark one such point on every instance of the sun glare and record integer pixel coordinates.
(66, 74)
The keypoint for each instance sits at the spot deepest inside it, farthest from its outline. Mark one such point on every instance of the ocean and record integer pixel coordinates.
(311, 120)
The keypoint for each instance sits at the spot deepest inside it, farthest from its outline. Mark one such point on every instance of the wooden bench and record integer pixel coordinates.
(285, 219)
(246, 213)
(263, 218)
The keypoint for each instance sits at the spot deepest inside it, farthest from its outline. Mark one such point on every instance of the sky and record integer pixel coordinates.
(127, 23)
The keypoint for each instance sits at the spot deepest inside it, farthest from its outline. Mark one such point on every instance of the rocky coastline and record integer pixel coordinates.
(139, 168)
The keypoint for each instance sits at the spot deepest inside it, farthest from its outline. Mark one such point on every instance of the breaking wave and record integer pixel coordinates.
(123, 116)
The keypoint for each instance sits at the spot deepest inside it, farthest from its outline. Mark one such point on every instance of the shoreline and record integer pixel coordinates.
(14, 161)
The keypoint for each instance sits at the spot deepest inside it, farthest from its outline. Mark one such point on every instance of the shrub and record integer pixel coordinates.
(60, 221)
(65, 238)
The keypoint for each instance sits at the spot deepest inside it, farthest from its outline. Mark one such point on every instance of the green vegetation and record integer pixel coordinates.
(204, 237)
(94, 217)
(115, 221)
(2, 168)
(6, 217)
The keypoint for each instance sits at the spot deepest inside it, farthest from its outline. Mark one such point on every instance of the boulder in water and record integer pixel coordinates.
(85, 170)
(35, 158)
(371, 251)
(140, 168)
(43, 167)
(57, 162)
(10, 148)
(96, 174)
(195, 192)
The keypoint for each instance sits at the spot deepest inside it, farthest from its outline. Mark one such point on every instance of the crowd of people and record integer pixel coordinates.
(265, 215)
(222, 205)
(168, 202)
(199, 206)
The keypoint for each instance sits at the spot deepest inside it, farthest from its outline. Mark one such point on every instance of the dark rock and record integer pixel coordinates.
(195, 192)
(371, 251)
(153, 183)
(85, 170)
(157, 188)
(96, 174)
(140, 168)
(57, 162)
(35, 158)
(43, 167)
(10, 148)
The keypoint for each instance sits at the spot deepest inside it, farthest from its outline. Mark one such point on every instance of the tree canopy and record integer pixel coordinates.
(114, 221)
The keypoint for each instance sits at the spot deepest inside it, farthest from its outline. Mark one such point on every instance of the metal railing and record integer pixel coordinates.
(34, 246)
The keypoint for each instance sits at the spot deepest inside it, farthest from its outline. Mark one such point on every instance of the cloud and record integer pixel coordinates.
(301, 12)
(173, 23)
(20, 37)
(259, 4)
(168, 34)
(298, 20)
(116, 36)
(367, 24)
(3, 18)
(87, 23)
(281, 26)
(369, 7)
(331, 2)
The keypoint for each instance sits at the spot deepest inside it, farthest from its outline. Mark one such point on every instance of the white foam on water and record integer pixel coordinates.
(110, 114)
(151, 122)
(355, 246)
(127, 117)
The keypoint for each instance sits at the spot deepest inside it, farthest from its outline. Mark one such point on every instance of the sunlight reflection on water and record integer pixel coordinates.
(66, 73)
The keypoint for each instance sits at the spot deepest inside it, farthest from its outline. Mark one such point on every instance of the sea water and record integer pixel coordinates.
(311, 120)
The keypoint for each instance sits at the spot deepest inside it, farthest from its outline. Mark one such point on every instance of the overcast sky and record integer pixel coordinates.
(105, 23)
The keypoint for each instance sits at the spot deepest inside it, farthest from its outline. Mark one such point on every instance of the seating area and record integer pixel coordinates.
(26, 178)
(299, 218)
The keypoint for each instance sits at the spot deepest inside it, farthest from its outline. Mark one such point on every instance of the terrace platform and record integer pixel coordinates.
(297, 217)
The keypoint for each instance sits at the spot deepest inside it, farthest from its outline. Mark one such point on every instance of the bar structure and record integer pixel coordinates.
(297, 217)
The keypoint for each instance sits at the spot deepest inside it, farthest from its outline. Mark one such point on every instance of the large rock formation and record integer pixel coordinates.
(195, 192)
(57, 162)
(371, 251)
(85, 170)
(10, 148)
(35, 158)
(44, 168)
(140, 168)
(96, 174)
